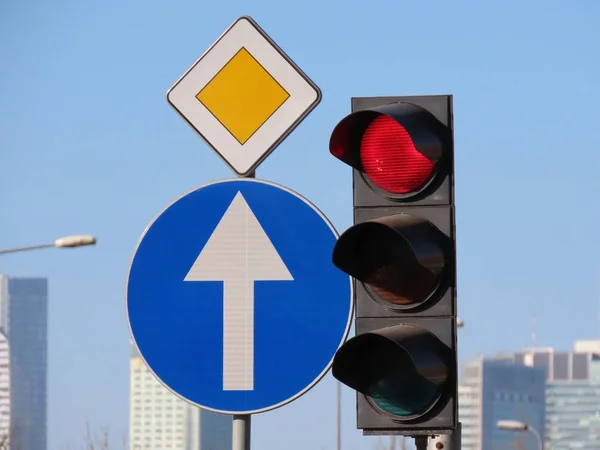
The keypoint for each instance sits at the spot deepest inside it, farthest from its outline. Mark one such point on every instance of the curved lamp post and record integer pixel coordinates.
(77, 240)
(515, 425)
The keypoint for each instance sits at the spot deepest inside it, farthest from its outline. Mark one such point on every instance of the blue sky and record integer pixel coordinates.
(88, 144)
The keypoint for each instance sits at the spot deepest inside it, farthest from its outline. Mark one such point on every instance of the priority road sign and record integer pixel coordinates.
(233, 300)
(244, 96)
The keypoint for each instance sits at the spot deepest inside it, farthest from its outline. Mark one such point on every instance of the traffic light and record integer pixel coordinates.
(401, 254)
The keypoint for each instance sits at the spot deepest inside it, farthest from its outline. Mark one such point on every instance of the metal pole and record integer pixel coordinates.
(446, 441)
(242, 423)
(421, 442)
(443, 441)
(23, 249)
(339, 416)
(241, 432)
(537, 436)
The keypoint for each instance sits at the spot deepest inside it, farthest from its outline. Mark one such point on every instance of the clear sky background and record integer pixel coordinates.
(88, 144)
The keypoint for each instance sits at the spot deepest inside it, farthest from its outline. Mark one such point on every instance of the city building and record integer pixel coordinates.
(24, 321)
(572, 394)
(4, 391)
(160, 420)
(494, 389)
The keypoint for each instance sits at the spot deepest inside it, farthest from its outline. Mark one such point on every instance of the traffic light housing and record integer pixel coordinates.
(401, 253)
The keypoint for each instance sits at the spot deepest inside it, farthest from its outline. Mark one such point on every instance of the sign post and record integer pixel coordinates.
(242, 423)
(241, 432)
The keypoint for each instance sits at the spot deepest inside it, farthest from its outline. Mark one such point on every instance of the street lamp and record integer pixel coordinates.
(459, 322)
(515, 425)
(77, 240)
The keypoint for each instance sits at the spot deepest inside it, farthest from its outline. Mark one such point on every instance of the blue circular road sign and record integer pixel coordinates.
(232, 297)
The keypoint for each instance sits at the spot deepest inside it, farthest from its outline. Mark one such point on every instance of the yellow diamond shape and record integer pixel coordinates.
(242, 96)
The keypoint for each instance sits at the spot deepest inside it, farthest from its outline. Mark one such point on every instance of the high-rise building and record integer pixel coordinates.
(572, 394)
(4, 391)
(24, 320)
(158, 419)
(497, 389)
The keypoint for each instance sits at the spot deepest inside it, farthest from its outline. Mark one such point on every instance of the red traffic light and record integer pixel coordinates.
(390, 159)
(399, 146)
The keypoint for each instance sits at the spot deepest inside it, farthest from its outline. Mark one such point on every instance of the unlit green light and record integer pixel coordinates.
(404, 395)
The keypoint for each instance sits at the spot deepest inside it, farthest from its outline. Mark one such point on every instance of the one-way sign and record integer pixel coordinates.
(233, 300)
(238, 253)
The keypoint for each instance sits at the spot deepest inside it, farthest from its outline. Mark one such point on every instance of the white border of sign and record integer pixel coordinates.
(304, 96)
(350, 315)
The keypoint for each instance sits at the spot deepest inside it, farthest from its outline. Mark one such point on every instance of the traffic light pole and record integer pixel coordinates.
(446, 441)
(242, 422)
(421, 442)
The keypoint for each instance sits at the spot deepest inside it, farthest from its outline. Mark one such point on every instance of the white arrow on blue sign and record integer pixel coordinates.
(232, 297)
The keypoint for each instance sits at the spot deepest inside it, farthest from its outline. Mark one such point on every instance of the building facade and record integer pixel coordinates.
(4, 391)
(24, 321)
(572, 394)
(497, 389)
(159, 420)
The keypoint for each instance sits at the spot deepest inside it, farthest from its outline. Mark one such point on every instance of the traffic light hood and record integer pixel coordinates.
(402, 257)
(412, 125)
(402, 368)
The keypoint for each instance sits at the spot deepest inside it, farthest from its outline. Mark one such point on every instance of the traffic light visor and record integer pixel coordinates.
(401, 369)
(402, 258)
(397, 146)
